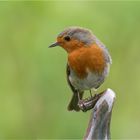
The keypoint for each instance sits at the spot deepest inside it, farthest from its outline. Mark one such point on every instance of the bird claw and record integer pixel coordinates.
(89, 103)
(82, 105)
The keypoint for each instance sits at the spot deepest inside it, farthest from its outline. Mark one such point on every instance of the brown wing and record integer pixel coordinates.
(73, 105)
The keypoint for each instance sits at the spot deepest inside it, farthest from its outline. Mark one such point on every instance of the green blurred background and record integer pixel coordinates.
(33, 91)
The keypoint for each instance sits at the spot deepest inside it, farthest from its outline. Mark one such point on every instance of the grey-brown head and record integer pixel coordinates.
(74, 37)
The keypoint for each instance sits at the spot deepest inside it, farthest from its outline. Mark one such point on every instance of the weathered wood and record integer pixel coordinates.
(99, 124)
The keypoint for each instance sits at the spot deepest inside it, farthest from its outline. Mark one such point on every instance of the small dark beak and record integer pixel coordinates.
(54, 45)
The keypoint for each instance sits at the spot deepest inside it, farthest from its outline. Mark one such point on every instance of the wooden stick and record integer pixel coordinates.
(99, 124)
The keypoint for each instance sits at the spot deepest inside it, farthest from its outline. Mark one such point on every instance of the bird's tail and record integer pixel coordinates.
(73, 105)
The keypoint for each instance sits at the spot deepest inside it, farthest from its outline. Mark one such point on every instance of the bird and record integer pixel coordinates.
(88, 61)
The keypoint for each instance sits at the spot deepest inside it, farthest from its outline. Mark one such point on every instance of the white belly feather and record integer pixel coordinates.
(93, 80)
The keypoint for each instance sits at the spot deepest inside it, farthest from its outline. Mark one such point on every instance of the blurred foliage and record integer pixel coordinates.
(33, 89)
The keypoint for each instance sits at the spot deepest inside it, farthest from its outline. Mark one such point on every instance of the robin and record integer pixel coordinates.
(88, 61)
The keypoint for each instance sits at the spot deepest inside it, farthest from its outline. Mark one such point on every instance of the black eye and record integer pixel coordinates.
(67, 38)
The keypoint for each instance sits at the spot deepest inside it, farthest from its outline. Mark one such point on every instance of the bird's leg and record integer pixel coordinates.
(81, 103)
(79, 99)
(90, 93)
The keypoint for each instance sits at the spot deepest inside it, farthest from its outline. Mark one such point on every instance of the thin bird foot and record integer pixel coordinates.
(88, 103)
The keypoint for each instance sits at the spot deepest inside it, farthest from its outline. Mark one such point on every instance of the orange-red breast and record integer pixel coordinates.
(88, 61)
